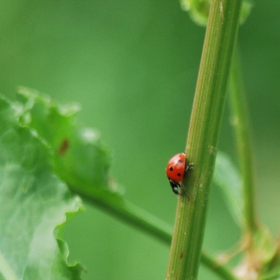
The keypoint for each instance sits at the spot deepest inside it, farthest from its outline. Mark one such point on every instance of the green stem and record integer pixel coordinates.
(240, 122)
(144, 221)
(203, 138)
(135, 216)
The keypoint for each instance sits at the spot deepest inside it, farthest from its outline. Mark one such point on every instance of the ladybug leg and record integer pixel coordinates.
(183, 190)
(189, 167)
(175, 187)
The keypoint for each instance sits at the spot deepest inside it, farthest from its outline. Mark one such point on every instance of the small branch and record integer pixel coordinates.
(144, 221)
(240, 122)
(217, 267)
(118, 207)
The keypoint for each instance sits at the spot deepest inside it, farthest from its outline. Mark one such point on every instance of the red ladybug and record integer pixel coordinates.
(176, 170)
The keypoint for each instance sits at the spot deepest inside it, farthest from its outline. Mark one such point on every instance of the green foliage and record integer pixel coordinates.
(39, 137)
(34, 203)
(199, 10)
(58, 144)
(79, 157)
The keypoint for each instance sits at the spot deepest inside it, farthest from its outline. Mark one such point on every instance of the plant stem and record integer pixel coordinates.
(135, 216)
(240, 122)
(203, 136)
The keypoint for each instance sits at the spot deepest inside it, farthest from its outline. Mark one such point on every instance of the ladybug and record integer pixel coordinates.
(176, 170)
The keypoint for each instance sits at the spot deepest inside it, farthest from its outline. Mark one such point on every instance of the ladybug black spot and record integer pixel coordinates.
(171, 168)
(179, 174)
(180, 160)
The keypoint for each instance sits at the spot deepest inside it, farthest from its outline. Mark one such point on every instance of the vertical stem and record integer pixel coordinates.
(240, 122)
(203, 136)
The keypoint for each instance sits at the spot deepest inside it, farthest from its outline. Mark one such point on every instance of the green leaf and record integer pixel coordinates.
(199, 10)
(79, 156)
(81, 159)
(227, 178)
(34, 204)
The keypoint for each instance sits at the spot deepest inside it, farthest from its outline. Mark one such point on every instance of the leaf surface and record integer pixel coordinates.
(34, 204)
(228, 179)
(199, 10)
(80, 158)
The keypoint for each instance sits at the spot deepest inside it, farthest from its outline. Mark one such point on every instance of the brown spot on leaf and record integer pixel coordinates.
(64, 146)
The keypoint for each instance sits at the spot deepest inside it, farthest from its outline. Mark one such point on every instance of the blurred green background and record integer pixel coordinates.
(132, 65)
